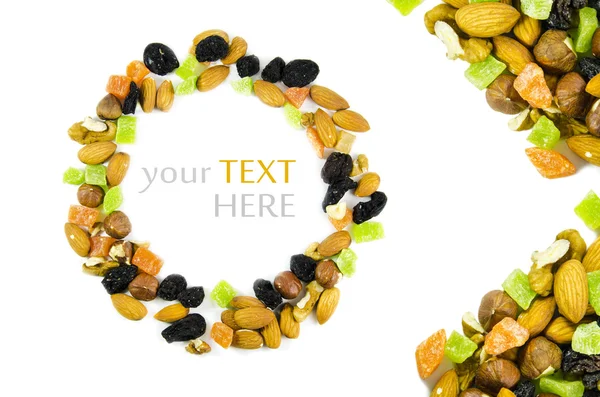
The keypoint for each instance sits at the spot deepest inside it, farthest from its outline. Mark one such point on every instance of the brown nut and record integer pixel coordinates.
(90, 195)
(592, 120)
(537, 317)
(577, 245)
(541, 280)
(528, 30)
(571, 97)
(122, 252)
(227, 318)
(441, 12)
(109, 108)
(495, 374)
(475, 50)
(117, 225)
(472, 392)
(327, 274)
(143, 287)
(495, 306)
(539, 356)
(288, 285)
(554, 52)
(514, 54)
(596, 43)
(502, 96)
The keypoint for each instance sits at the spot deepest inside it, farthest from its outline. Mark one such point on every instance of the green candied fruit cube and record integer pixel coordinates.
(126, 130)
(95, 175)
(589, 210)
(544, 134)
(113, 199)
(517, 287)
(292, 115)
(482, 74)
(367, 231)
(594, 287)
(555, 384)
(459, 348)
(223, 293)
(346, 262)
(405, 6)
(586, 339)
(187, 86)
(243, 86)
(190, 67)
(73, 176)
(588, 23)
(537, 9)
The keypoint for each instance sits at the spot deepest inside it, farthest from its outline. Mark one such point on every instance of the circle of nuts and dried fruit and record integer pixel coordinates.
(97, 230)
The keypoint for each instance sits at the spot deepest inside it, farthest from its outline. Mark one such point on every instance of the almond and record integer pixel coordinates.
(269, 93)
(128, 307)
(227, 318)
(272, 334)
(591, 260)
(165, 96)
(327, 98)
(560, 331)
(537, 317)
(528, 30)
(211, 32)
(96, 153)
(514, 54)
(571, 290)
(148, 94)
(487, 20)
(172, 313)
(247, 339)
(367, 185)
(212, 77)
(288, 324)
(78, 239)
(587, 147)
(117, 168)
(243, 302)
(593, 86)
(253, 317)
(504, 392)
(351, 121)
(237, 49)
(457, 3)
(325, 128)
(327, 304)
(333, 244)
(447, 386)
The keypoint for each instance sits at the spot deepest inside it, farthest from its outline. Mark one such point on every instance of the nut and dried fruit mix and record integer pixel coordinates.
(98, 231)
(537, 336)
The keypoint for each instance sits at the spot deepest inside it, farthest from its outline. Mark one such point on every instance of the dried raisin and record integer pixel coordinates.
(171, 287)
(303, 267)
(118, 278)
(591, 381)
(273, 71)
(578, 364)
(337, 190)
(190, 327)
(370, 209)
(248, 66)
(561, 16)
(591, 393)
(337, 166)
(525, 389)
(266, 293)
(300, 73)
(211, 49)
(191, 297)
(160, 59)
(131, 99)
(590, 67)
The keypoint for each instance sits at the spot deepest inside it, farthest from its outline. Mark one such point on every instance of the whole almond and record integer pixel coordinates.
(211, 32)
(325, 128)
(571, 290)
(247, 339)
(212, 77)
(593, 86)
(367, 185)
(96, 153)
(457, 3)
(128, 307)
(351, 121)
(537, 317)
(269, 93)
(485, 20)
(165, 96)
(504, 392)
(447, 386)
(237, 49)
(272, 334)
(528, 30)
(288, 324)
(587, 147)
(253, 317)
(242, 302)
(78, 239)
(172, 313)
(514, 54)
(227, 318)
(560, 331)
(334, 243)
(327, 304)
(327, 98)
(148, 94)
(591, 260)
(117, 168)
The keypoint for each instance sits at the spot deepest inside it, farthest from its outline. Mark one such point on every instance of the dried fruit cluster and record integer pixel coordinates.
(540, 334)
(97, 231)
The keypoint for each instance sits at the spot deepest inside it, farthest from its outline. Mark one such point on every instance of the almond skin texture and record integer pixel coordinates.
(571, 290)
(96, 153)
(367, 185)
(272, 334)
(327, 304)
(237, 49)
(253, 317)
(212, 77)
(227, 318)
(560, 331)
(243, 302)
(593, 86)
(537, 317)
(117, 168)
(513, 53)
(269, 93)
(528, 30)
(78, 239)
(325, 128)
(591, 260)
(172, 313)
(485, 20)
(165, 96)
(288, 324)
(327, 98)
(457, 3)
(247, 339)
(129, 307)
(587, 147)
(447, 386)
(333, 244)
(351, 121)
(148, 94)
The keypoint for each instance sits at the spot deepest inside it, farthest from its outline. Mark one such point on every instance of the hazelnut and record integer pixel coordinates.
(495, 306)
(592, 119)
(571, 97)
(596, 44)
(554, 52)
(539, 356)
(90, 195)
(473, 393)
(495, 374)
(327, 274)
(143, 287)
(122, 252)
(288, 285)
(502, 96)
(109, 108)
(117, 225)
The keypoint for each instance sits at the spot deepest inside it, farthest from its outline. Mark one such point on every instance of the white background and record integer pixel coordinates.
(466, 207)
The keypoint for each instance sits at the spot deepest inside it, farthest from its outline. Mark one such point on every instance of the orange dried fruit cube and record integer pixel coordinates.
(119, 86)
(222, 335)
(100, 245)
(531, 85)
(430, 354)
(342, 223)
(147, 261)
(297, 95)
(505, 335)
(316, 142)
(549, 163)
(137, 71)
(83, 216)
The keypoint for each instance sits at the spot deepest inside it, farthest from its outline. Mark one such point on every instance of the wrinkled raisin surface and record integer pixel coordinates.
(337, 166)
(160, 59)
(273, 71)
(266, 293)
(364, 211)
(578, 364)
(211, 49)
(191, 297)
(300, 73)
(591, 393)
(130, 102)
(303, 267)
(171, 286)
(589, 67)
(525, 389)
(190, 327)
(591, 381)
(248, 65)
(118, 278)
(337, 190)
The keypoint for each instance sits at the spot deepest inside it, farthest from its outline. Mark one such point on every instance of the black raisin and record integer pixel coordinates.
(273, 71)
(300, 73)
(190, 327)
(591, 381)
(594, 4)
(589, 67)
(525, 389)
(561, 16)
(266, 293)
(248, 65)
(191, 297)
(118, 278)
(591, 393)
(578, 4)
(366, 210)
(337, 166)
(337, 190)
(577, 364)
(130, 102)
(160, 59)
(303, 267)
(211, 49)
(171, 286)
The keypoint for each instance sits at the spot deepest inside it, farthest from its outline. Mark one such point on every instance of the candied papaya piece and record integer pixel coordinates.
(341, 224)
(147, 261)
(119, 86)
(83, 216)
(137, 71)
(296, 95)
(316, 142)
(549, 163)
(430, 354)
(532, 86)
(222, 334)
(100, 245)
(505, 335)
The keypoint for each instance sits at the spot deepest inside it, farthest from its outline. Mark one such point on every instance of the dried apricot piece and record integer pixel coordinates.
(100, 245)
(147, 261)
(549, 163)
(316, 142)
(119, 86)
(137, 71)
(297, 95)
(222, 335)
(342, 223)
(430, 354)
(83, 216)
(505, 335)
(532, 86)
